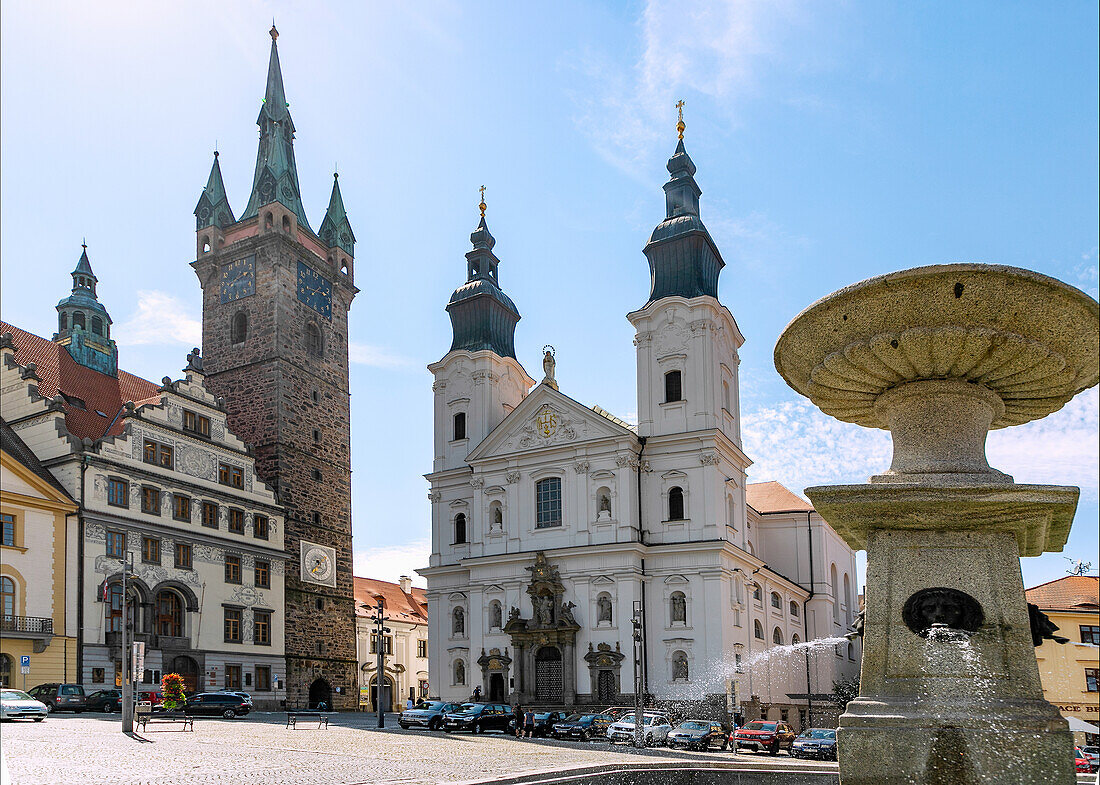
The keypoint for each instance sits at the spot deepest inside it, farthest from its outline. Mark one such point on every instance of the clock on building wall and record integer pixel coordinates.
(238, 279)
(314, 290)
(318, 564)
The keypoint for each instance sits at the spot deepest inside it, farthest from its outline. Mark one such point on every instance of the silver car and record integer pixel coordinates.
(655, 729)
(16, 704)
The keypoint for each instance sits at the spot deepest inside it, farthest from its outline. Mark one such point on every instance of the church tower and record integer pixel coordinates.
(276, 298)
(687, 340)
(83, 324)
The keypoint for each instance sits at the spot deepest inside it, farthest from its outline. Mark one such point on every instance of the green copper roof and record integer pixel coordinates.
(336, 229)
(276, 178)
(213, 208)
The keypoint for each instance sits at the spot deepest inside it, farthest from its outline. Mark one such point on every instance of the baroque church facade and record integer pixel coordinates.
(276, 297)
(554, 524)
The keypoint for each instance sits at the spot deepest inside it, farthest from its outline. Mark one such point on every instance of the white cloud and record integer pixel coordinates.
(161, 318)
(377, 357)
(795, 443)
(390, 562)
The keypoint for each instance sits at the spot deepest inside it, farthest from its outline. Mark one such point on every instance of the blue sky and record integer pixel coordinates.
(834, 141)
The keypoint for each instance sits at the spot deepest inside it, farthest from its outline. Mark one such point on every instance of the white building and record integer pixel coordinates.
(552, 521)
(405, 646)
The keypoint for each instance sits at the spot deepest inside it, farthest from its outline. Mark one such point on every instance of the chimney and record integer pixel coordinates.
(405, 582)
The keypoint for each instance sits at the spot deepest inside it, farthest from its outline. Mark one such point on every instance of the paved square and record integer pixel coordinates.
(91, 749)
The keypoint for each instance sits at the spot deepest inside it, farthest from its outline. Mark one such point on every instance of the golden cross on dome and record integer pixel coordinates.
(680, 126)
(481, 205)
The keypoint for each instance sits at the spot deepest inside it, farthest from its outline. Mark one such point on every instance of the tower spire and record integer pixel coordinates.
(84, 326)
(335, 228)
(213, 207)
(276, 177)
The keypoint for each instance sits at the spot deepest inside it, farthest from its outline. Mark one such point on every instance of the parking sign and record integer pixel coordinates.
(25, 663)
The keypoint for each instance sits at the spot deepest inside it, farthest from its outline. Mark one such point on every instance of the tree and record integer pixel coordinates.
(171, 686)
(845, 690)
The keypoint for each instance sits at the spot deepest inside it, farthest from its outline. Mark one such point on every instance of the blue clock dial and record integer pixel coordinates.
(314, 290)
(238, 279)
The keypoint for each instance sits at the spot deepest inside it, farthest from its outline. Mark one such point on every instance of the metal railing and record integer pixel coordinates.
(33, 625)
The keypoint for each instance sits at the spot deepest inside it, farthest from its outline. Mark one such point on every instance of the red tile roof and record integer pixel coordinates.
(59, 372)
(765, 497)
(399, 606)
(1072, 593)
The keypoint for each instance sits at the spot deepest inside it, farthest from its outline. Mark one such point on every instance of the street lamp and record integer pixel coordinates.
(379, 620)
(127, 675)
(636, 634)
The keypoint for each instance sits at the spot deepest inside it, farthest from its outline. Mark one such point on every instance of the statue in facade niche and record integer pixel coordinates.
(603, 512)
(565, 613)
(544, 610)
(603, 610)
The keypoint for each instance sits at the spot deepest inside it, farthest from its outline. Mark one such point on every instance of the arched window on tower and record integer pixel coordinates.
(313, 340)
(238, 332)
(673, 387)
(97, 325)
(757, 629)
(78, 319)
(777, 636)
(63, 321)
(777, 601)
(675, 503)
(460, 528)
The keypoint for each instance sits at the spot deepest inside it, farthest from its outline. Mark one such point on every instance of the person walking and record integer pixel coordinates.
(517, 719)
(529, 723)
(409, 704)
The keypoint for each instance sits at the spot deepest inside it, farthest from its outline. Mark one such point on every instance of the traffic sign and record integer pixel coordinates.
(25, 664)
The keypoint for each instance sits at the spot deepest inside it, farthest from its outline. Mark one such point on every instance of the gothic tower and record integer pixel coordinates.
(276, 298)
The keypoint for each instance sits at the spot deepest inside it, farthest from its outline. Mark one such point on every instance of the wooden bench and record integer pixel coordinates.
(143, 720)
(293, 716)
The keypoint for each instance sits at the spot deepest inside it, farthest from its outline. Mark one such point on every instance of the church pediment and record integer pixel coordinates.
(547, 418)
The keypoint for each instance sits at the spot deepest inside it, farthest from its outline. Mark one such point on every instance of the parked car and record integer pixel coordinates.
(478, 717)
(105, 700)
(544, 722)
(1093, 754)
(217, 704)
(763, 735)
(242, 695)
(1081, 763)
(655, 728)
(60, 697)
(583, 727)
(699, 735)
(426, 714)
(16, 704)
(815, 743)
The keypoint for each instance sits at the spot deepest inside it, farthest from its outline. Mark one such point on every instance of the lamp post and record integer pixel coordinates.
(636, 634)
(379, 620)
(127, 676)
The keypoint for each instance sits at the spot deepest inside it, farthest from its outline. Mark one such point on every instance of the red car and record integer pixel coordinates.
(764, 735)
(1081, 762)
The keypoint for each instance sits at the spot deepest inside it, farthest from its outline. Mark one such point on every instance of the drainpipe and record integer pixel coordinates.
(806, 620)
(80, 575)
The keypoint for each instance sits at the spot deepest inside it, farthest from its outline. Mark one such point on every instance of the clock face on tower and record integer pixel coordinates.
(314, 290)
(238, 279)
(318, 564)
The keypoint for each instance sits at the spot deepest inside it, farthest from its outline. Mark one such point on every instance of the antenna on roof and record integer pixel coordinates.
(1080, 567)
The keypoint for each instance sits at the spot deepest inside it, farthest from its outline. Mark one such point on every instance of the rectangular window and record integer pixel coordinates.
(150, 500)
(232, 476)
(210, 515)
(548, 502)
(232, 569)
(118, 492)
(460, 426)
(8, 537)
(421, 648)
(181, 507)
(263, 574)
(263, 678)
(232, 625)
(1090, 634)
(157, 454)
(150, 550)
(261, 628)
(1092, 679)
(196, 423)
(259, 526)
(232, 677)
(116, 544)
(673, 387)
(99, 675)
(387, 644)
(183, 556)
(236, 521)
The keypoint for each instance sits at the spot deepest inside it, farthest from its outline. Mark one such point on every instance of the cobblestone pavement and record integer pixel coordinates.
(66, 750)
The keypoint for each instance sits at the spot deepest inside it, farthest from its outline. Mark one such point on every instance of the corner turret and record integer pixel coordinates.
(336, 228)
(213, 208)
(83, 324)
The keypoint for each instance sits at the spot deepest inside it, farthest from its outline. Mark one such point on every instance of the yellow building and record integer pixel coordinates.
(37, 553)
(1071, 671)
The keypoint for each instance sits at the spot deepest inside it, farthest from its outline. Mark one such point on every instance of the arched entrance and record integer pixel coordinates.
(496, 687)
(548, 674)
(387, 694)
(320, 692)
(189, 670)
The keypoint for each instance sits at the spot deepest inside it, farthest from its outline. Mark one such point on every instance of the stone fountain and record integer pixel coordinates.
(939, 355)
